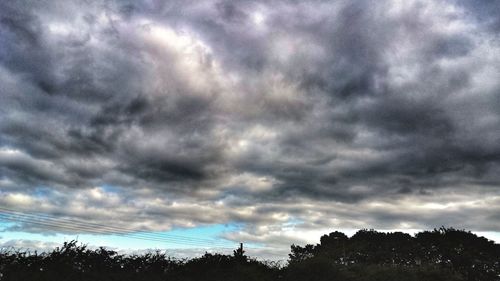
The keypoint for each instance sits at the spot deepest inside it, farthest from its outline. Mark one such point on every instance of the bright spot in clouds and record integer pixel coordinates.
(258, 18)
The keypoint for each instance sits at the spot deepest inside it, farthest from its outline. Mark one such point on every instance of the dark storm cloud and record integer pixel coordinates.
(77, 100)
(484, 11)
(412, 131)
(229, 106)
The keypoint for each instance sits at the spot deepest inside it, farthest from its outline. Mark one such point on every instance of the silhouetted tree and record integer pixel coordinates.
(239, 254)
(441, 254)
(299, 254)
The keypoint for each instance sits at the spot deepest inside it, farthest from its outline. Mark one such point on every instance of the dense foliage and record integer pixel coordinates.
(441, 254)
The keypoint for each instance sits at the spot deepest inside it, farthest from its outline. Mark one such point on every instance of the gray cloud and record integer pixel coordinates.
(259, 113)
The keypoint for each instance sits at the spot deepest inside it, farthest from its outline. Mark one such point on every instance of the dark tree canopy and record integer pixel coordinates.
(459, 251)
(441, 254)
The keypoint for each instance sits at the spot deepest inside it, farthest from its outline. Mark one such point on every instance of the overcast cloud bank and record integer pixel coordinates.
(290, 118)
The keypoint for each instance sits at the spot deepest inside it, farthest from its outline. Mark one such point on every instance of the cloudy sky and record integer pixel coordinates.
(265, 122)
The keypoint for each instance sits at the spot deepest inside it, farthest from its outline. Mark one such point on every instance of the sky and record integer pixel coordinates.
(263, 122)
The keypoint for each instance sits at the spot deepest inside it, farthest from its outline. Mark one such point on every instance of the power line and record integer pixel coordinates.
(79, 225)
(90, 231)
(55, 225)
(101, 229)
(105, 227)
(72, 224)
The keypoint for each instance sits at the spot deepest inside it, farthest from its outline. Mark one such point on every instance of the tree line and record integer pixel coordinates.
(440, 254)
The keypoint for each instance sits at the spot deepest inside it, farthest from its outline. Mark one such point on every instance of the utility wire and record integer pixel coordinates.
(53, 223)
(94, 228)
(106, 227)
(90, 231)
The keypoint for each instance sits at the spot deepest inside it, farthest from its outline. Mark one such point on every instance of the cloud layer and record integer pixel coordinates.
(282, 116)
